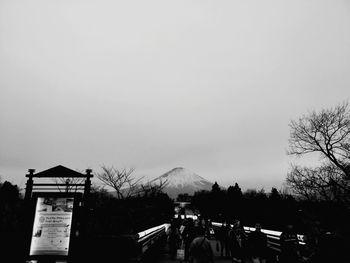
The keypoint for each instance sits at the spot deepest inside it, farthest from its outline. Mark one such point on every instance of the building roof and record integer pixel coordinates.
(59, 171)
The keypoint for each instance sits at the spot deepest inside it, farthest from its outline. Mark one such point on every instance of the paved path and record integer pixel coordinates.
(165, 258)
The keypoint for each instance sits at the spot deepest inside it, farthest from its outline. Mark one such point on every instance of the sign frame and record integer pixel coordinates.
(77, 199)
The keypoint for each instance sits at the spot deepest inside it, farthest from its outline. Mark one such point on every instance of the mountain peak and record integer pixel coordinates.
(180, 180)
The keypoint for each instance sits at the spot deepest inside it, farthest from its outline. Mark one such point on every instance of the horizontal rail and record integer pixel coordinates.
(194, 217)
(150, 230)
(273, 237)
(276, 234)
(150, 236)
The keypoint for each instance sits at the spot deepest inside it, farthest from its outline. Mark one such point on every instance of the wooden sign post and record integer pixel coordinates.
(57, 213)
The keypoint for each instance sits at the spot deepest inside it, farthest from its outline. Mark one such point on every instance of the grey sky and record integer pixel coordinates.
(206, 85)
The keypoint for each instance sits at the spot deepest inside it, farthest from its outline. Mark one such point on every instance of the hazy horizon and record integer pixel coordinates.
(206, 85)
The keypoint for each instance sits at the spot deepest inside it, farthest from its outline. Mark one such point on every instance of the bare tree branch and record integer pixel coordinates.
(325, 182)
(326, 132)
(121, 180)
(70, 183)
(152, 188)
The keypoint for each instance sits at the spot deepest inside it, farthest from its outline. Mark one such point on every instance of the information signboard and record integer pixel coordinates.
(52, 226)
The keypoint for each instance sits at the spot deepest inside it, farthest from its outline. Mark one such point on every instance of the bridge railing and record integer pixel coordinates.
(149, 237)
(273, 237)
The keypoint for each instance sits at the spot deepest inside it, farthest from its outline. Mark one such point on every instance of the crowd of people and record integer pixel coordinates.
(231, 242)
(235, 243)
(192, 237)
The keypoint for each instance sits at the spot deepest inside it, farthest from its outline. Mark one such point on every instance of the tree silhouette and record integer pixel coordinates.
(215, 188)
(274, 194)
(235, 192)
(121, 180)
(9, 193)
(327, 133)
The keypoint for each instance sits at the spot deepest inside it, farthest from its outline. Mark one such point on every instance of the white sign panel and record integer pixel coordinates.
(52, 226)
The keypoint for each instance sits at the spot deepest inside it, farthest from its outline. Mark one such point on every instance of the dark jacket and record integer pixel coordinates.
(257, 244)
(201, 251)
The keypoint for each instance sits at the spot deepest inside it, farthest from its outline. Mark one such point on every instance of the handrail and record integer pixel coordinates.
(150, 230)
(149, 236)
(272, 235)
(276, 234)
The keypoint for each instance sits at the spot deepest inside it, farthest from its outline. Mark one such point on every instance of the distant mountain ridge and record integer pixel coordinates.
(180, 181)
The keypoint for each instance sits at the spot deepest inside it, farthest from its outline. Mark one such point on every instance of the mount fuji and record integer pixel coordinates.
(180, 181)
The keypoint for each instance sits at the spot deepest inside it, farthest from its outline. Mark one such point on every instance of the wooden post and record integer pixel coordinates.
(87, 187)
(67, 185)
(29, 185)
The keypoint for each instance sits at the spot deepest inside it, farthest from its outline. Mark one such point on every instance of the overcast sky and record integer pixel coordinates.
(206, 85)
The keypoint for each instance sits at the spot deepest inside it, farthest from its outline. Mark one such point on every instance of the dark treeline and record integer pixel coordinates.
(113, 223)
(11, 209)
(273, 209)
(12, 222)
(112, 216)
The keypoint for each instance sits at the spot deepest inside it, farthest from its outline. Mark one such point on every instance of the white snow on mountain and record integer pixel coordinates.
(180, 180)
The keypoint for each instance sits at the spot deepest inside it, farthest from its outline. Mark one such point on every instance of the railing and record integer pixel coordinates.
(147, 238)
(273, 237)
(194, 217)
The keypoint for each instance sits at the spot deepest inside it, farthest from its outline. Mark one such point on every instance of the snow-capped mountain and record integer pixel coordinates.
(180, 181)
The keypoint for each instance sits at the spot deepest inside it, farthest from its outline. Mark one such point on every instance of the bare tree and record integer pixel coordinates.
(121, 180)
(152, 188)
(325, 182)
(328, 133)
(70, 183)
